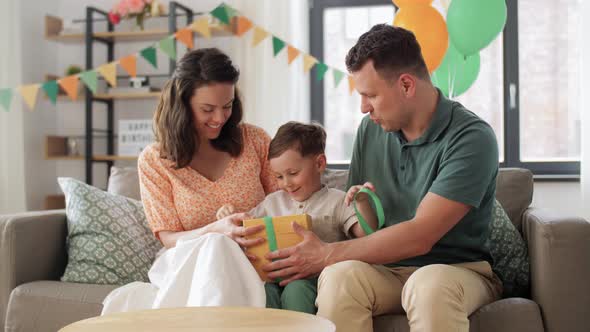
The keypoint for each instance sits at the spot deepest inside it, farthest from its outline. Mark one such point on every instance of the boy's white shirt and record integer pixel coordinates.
(331, 219)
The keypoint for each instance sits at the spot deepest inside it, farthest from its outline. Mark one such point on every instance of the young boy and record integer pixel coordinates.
(296, 156)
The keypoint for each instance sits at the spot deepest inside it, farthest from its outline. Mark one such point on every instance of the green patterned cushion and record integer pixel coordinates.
(509, 254)
(108, 241)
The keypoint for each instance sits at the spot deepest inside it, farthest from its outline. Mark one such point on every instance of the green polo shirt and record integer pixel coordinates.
(456, 157)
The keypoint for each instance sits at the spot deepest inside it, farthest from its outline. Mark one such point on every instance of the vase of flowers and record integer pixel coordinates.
(137, 9)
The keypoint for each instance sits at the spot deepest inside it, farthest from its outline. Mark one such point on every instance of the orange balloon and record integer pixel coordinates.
(402, 3)
(430, 30)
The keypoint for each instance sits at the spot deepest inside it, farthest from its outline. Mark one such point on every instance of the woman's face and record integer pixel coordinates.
(212, 106)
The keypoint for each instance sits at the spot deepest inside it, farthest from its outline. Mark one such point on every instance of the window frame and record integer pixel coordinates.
(542, 170)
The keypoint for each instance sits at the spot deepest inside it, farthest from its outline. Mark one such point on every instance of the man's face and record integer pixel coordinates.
(383, 100)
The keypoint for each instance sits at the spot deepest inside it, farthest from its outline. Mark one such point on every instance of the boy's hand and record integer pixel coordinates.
(224, 211)
(355, 189)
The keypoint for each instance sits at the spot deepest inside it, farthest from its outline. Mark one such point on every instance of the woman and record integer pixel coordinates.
(203, 157)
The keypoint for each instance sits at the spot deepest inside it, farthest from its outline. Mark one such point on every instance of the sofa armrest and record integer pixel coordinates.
(32, 247)
(559, 249)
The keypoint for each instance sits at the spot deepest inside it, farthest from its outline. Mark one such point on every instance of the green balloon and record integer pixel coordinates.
(456, 73)
(474, 24)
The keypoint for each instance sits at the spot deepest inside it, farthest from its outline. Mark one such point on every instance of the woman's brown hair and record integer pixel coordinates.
(173, 121)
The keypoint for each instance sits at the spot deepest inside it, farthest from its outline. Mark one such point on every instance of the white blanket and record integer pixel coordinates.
(209, 270)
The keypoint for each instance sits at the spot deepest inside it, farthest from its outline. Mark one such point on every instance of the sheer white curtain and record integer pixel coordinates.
(585, 108)
(12, 181)
(273, 92)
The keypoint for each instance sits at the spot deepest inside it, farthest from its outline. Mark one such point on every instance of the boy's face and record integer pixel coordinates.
(299, 176)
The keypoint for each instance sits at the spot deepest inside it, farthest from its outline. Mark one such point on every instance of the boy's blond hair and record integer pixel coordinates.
(308, 139)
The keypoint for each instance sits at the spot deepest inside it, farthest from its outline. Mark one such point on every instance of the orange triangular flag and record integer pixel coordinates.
(292, 53)
(243, 25)
(29, 93)
(70, 86)
(259, 35)
(109, 72)
(185, 36)
(129, 63)
(202, 26)
(350, 84)
(308, 62)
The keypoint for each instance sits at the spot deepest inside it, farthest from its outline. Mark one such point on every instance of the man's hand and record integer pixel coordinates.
(355, 189)
(303, 260)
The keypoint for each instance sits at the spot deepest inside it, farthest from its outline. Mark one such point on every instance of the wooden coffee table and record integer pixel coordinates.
(214, 319)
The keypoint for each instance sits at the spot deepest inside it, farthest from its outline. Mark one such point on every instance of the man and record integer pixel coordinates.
(434, 165)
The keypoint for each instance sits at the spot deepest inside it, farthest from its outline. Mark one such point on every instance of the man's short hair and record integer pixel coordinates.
(394, 50)
(308, 139)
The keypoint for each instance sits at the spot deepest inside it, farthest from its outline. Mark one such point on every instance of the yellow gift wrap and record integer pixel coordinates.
(278, 233)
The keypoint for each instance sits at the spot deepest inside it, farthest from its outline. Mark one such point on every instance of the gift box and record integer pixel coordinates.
(278, 233)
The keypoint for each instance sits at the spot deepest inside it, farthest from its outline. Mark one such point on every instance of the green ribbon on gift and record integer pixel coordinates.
(271, 237)
(378, 206)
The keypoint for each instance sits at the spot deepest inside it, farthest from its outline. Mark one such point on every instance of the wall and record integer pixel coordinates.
(564, 197)
(38, 57)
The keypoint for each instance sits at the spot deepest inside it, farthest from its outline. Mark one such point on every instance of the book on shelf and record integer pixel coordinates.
(131, 90)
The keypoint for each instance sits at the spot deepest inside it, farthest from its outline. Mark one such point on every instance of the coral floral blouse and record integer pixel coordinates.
(183, 199)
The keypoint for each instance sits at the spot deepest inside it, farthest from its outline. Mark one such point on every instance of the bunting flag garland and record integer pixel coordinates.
(224, 13)
(321, 69)
(185, 36)
(129, 64)
(5, 98)
(277, 45)
(201, 26)
(149, 54)
(292, 54)
(259, 35)
(221, 13)
(29, 93)
(70, 86)
(350, 84)
(51, 89)
(338, 76)
(109, 72)
(242, 26)
(308, 62)
(90, 79)
(168, 47)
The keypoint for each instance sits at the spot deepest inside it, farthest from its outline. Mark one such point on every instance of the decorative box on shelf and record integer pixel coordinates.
(134, 136)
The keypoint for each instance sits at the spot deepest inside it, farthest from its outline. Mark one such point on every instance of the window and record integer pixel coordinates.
(532, 104)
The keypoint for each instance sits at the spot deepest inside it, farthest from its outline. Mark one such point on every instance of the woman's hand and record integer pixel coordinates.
(232, 227)
(225, 211)
(355, 189)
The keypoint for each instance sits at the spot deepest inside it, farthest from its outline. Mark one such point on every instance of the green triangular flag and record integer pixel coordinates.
(321, 69)
(149, 54)
(277, 45)
(51, 89)
(90, 79)
(221, 13)
(6, 98)
(167, 46)
(338, 76)
(231, 12)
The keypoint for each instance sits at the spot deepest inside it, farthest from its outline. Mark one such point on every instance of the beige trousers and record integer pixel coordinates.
(434, 297)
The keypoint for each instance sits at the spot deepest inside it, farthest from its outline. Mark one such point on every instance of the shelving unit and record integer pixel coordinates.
(56, 146)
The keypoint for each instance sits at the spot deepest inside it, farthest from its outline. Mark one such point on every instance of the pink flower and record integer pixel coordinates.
(135, 6)
(114, 18)
(122, 8)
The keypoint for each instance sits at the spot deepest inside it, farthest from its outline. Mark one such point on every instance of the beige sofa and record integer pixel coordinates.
(33, 257)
